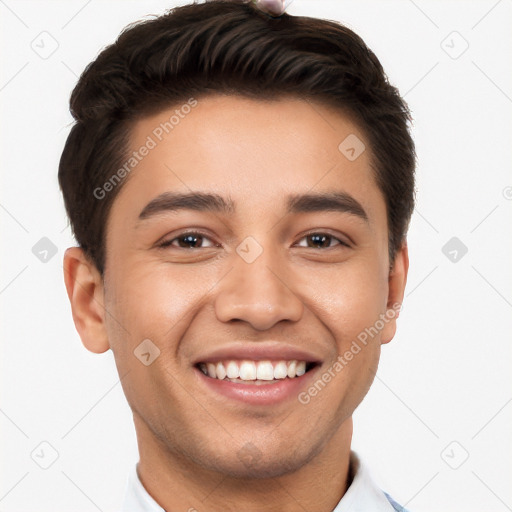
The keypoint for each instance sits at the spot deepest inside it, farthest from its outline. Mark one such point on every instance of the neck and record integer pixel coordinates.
(176, 483)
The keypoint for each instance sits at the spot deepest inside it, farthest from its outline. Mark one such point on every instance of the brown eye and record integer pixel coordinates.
(190, 240)
(321, 240)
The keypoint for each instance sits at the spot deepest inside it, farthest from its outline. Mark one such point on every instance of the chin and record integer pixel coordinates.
(251, 463)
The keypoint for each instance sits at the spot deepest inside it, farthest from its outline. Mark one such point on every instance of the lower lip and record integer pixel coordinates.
(263, 394)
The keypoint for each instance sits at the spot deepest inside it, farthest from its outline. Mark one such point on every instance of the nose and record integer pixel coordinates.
(258, 292)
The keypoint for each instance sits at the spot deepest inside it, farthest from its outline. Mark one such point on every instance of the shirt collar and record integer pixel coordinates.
(362, 495)
(136, 498)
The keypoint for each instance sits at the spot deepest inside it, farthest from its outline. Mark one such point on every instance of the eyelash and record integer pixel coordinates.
(167, 243)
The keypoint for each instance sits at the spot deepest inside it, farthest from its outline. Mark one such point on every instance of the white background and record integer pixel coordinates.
(445, 377)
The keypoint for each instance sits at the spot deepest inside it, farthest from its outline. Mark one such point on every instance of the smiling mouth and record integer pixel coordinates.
(255, 372)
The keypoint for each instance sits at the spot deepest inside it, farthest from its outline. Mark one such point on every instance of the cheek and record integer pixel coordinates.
(157, 305)
(347, 298)
(156, 301)
(348, 302)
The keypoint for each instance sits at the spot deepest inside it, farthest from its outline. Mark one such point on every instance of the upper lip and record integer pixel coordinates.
(258, 351)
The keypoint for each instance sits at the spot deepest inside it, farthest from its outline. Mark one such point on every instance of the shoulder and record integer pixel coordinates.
(364, 493)
(394, 504)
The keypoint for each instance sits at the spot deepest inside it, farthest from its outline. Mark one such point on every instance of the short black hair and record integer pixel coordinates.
(227, 47)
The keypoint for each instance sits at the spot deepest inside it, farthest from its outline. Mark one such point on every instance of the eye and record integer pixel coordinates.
(188, 240)
(195, 240)
(321, 239)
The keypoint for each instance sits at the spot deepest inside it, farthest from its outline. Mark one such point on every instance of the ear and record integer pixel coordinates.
(84, 286)
(396, 288)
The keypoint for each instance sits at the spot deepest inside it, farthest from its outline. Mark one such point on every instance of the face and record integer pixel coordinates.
(284, 258)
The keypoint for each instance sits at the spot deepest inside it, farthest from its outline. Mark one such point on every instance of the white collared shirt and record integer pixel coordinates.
(363, 495)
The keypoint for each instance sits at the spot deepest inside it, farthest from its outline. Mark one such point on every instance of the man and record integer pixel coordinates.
(240, 187)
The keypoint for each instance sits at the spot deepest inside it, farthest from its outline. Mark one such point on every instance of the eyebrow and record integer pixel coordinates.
(210, 202)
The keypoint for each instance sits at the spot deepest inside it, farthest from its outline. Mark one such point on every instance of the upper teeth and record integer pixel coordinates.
(254, 370)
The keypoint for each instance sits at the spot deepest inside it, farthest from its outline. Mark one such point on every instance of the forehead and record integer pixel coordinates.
(254, 152)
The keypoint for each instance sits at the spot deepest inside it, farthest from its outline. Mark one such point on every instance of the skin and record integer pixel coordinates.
(188, 301)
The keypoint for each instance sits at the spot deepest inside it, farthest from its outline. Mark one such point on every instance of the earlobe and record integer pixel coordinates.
(396, 288)
(85, 291)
